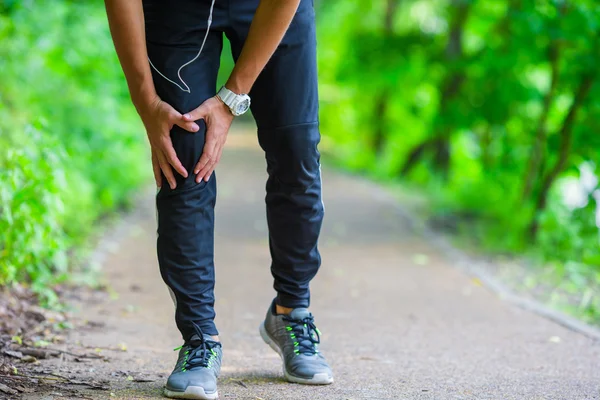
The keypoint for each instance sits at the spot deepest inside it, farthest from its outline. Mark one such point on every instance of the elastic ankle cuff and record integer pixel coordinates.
(289, 302)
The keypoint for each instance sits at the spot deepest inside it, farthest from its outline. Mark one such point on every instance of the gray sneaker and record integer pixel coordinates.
(198, 366)
(296, 339)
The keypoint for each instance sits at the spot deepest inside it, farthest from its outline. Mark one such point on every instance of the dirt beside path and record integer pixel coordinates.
(398, 321)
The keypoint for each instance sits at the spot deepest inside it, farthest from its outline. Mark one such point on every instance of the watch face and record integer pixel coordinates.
(242, 106)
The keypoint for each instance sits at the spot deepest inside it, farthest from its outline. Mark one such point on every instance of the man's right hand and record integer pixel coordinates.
(159, 118)
(126, 20)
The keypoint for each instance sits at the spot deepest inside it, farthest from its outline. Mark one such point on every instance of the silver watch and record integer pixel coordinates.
(238, 103)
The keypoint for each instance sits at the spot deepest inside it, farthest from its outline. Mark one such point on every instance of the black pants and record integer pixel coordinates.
(285, 106)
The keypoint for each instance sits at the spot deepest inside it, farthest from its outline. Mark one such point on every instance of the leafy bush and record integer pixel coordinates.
(71, 146)
(33, 242)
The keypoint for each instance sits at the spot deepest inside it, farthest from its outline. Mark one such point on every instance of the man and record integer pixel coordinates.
(170, 53)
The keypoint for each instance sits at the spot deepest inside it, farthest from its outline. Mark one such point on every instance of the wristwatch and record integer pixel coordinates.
(238, 103)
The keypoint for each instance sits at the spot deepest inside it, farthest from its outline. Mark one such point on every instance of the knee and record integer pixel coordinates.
(293, 158)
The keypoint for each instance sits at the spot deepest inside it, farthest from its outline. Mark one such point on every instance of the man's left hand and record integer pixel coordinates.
(218, 119)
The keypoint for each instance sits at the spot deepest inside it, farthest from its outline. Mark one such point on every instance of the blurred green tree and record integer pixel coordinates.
(491, 105)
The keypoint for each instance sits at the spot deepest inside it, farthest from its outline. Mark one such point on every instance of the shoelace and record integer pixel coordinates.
(201, 354)
(305, 334)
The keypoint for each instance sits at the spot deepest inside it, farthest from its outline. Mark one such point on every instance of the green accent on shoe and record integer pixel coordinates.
(197, 368)
(296, 339)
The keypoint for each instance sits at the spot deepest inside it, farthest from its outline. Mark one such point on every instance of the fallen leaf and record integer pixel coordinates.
(95, 324)
(554, 339)
(24, 389)
(122, 347)
(130, 378)
(241, 383)
(15, 354)
(143, 380)
(420, 259)
(367, 358)
(7, 390)
(40, 354)
(58, 339)
(42, 343)
(135, 288)
(130, 308)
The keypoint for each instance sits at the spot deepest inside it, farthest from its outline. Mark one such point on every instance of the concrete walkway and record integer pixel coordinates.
(398, 321)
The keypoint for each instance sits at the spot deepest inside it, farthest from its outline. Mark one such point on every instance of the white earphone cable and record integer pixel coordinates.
(187, 88)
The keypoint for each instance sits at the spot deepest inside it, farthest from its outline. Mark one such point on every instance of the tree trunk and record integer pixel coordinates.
(503, 28)
(485, 143)
(539, 145)
(535, 165)
(381, 106)
(382, 98)
(450, 87)
(566, 139)
(416, 153)
(441, 158)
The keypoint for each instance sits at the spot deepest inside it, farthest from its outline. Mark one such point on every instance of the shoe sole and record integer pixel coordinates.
(318, 379)
(191, 392)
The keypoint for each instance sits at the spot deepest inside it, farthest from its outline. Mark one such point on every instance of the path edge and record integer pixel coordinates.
(476, 268)
(117, 229)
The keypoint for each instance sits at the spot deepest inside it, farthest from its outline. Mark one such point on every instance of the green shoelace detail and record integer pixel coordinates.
(305, 335)
(201, 352)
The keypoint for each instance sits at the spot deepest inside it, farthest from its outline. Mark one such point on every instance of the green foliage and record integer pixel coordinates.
(32, 240)
(71, 146)
(489, 106)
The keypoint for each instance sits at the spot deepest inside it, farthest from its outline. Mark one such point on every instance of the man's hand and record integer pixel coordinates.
(126, 19)
(159, 118)
(218, 119)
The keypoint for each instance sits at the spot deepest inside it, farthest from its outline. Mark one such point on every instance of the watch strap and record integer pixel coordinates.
(227, 96)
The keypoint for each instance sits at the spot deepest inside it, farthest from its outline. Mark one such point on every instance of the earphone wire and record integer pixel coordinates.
(187, 88)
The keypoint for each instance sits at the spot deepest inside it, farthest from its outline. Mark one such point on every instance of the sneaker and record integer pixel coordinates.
(198, 366)
(296, 339)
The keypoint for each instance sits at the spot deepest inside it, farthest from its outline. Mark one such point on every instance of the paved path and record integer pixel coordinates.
(398, 321)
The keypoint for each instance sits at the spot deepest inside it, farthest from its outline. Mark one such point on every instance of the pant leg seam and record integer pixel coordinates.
(276, 128)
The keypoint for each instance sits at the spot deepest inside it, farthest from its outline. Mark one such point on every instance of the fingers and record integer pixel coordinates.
(188, 126)
(166, 170)
(196, 114)
(165, 160)
(172, 158)
(208, 161)
(208, 174)
(205, 160)
(218, 120)
(156, 169)
(206, 171)
(174, 117)
(164, 156)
